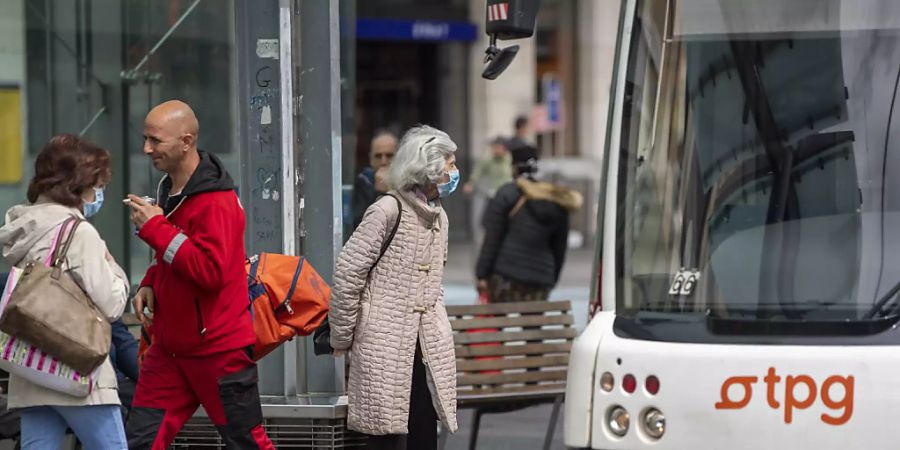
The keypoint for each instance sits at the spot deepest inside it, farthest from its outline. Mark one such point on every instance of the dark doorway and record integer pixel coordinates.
(397, 87)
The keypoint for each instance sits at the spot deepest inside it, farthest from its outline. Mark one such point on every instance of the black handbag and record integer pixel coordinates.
(322, 335)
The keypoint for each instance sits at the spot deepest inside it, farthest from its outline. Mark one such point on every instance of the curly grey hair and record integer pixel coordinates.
(420, 158)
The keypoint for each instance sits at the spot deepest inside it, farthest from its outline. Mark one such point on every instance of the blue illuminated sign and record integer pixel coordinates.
(415, 30)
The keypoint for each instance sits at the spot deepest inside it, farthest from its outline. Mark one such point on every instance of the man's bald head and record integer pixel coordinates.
(170, 135)
(177, 116)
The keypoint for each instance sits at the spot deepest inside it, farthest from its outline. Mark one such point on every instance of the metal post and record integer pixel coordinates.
(319, 124)
(289, 202)
(266, 201)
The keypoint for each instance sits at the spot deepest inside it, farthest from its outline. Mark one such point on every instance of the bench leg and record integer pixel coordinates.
(476, 423)
(551, 428)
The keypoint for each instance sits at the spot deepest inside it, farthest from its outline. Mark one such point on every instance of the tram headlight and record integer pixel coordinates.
(607, 382)
(654, 423)
(618, 421)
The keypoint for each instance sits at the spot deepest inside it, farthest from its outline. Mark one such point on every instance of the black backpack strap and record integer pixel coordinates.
(322, 335)
(390, 238)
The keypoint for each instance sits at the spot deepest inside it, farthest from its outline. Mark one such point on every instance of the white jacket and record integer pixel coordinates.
(25, 236)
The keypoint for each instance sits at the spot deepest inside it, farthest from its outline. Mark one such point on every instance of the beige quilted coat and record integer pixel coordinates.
(380, 320)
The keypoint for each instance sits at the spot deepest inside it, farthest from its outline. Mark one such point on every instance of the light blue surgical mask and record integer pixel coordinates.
(445, 189)
(92, 208)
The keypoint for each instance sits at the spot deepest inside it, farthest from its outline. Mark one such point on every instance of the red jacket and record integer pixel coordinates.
(198, 278)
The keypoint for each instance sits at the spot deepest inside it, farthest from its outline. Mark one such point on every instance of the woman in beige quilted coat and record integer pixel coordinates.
(389, 313)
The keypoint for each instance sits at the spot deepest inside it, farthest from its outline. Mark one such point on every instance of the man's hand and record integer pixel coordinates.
(482, 285)
(381, 179)
(141, 211)
(144, 299)
(338, 353)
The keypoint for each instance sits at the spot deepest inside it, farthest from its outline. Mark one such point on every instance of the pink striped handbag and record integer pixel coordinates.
(29, 362)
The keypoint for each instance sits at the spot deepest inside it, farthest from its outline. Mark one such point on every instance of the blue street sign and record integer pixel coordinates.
(553, 98)
(415, 30)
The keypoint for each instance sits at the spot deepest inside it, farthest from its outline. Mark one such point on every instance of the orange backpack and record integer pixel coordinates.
(287, 298)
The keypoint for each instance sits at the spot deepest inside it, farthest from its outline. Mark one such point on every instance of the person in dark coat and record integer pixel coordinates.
(370, 183)
(519, 139)
(526, 235)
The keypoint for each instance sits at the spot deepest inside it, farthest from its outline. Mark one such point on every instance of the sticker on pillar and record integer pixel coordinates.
(266, 117)
(267, 48)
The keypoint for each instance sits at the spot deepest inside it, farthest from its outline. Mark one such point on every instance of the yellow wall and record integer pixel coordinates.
(10, 135)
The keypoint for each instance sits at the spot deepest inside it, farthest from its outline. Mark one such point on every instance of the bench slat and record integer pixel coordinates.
(507, 322)
(512, 350)
(513, 336)
(509, 378)
(508, 308)
(511, 363)
(507, 392)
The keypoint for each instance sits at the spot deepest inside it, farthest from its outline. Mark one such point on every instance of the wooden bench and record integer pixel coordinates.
(511, 356)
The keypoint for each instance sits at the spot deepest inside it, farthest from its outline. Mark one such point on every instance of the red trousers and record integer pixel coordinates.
(170, 388)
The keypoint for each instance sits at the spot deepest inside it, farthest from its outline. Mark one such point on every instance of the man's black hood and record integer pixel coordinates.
(210, 176)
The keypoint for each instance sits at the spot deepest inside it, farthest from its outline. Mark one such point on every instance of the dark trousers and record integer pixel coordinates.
(504, 290)
(422, 418)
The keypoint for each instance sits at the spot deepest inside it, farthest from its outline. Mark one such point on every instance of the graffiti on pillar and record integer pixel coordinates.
(264, 226)
(266, 184)
(262, 78)
(261, 100)
(264, 154)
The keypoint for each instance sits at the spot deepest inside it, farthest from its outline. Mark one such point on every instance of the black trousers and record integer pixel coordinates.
(422, 417)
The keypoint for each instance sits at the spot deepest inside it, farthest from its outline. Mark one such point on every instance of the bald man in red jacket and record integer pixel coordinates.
(197, 291)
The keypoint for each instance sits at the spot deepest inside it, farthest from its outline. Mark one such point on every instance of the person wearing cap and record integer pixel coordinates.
(493, 170)
(526, 234)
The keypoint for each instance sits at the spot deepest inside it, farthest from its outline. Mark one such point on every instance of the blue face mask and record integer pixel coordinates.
(445, 189)
(92, 208)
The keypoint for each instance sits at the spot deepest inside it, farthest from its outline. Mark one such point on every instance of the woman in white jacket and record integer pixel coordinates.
(70, 174)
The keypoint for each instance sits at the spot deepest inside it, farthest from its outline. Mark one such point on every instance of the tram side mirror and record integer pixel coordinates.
(506, 20)
(498, 60)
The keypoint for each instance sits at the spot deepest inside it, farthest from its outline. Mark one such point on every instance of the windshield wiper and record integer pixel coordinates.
(732, 326)
(879, 310)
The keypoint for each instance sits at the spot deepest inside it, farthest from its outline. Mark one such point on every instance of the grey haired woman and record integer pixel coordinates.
(388, 311)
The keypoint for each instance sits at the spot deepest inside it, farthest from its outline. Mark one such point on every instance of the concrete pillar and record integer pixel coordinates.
(598, 23)
(318, 122)
(494, 104)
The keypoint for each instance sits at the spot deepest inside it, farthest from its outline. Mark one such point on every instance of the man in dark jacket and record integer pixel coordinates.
(197, 291)
(526, 235)
(370, 183)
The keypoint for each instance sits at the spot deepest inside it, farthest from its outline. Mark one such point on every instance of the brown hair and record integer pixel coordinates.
(67, 167)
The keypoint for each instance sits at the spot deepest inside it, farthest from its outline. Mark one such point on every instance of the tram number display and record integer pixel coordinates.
(684, 282)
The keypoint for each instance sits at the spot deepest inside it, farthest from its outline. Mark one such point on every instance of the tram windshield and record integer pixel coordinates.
(759, 162)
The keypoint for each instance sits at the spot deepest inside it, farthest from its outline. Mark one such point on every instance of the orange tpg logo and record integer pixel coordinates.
(738, 391)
